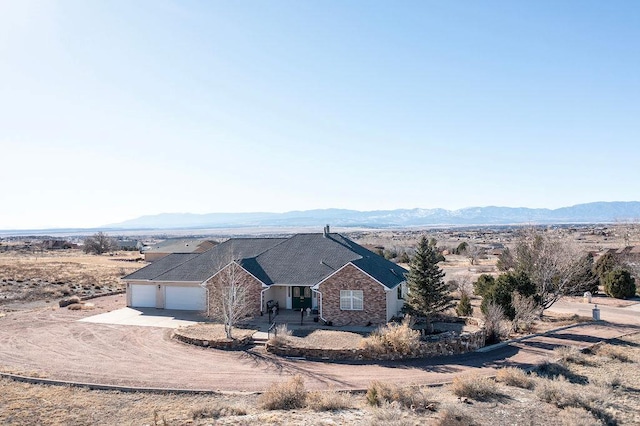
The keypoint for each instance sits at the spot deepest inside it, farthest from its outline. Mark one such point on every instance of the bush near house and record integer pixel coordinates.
(619, 283)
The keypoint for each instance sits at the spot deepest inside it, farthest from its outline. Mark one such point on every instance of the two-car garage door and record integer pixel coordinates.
(175, 297)
(185, 298)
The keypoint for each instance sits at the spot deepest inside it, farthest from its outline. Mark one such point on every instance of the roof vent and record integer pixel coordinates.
(325, 231)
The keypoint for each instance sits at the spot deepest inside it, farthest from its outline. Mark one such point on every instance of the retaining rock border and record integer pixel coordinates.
(449, 343)
(224, 344)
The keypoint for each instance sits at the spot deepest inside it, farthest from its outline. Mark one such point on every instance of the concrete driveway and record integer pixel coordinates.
(146, 317)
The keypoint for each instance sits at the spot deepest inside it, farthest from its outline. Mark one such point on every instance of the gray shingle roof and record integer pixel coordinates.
(303, 259)
(181, 245)
(161, 266)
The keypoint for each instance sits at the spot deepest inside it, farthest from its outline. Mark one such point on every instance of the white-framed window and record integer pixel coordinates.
(351, 300)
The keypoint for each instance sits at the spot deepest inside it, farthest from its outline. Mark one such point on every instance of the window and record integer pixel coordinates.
(351, 300)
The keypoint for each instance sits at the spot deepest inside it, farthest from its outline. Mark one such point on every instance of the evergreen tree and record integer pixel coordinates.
(428, 294)
(464, 308)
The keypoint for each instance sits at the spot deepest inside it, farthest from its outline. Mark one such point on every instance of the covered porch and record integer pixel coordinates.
(289, 297)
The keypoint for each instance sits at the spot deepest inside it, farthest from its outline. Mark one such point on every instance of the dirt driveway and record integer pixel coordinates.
(52, 343)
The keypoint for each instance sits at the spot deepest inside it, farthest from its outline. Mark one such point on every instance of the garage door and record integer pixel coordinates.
(185, 298)
(143, 296)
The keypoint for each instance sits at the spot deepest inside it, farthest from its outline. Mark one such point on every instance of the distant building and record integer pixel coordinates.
(176, 245)
(129, 245)
(57, 245)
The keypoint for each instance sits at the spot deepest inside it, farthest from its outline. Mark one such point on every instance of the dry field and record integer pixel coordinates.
(26, 277)
(592, 388)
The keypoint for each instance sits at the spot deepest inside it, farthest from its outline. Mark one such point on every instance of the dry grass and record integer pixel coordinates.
(612, 352)
(570, 354)
(317, 339)
(553, 400)
(474, 387)
(281, 336)
(285, 396)
(329, 401)
(420, 399)
(50, 275)
(212, 332)
(216, 410)
(512, 376)
(453, 416)
(393, 338)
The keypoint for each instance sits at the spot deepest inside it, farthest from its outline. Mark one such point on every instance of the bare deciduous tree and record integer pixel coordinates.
(554, 265)
(495, 323)
(229, 297)
(99, 243)
(527, 311)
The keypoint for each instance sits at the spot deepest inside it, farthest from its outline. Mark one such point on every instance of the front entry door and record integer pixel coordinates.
(301, 298)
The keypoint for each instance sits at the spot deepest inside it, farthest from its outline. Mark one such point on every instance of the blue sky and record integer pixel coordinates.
(114, 109)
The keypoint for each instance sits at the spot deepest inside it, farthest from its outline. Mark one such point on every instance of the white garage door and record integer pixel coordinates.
(143, 296)
(185, 298)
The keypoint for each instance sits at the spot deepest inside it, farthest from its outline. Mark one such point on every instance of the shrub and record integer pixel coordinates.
(475, 387)
(464, 308)
(281, 335)
(483, 283)
(619, 284)
(526, 312)
(379, 394)
(329, 401)
(394, 338)
(612, 352)
(453, 416)
(512, 376)
(572, 416)
(285, 396)
(504, 287)
(390, 415)
(216, 411)
(562, 394)
(494, 323)
(75, 307)
(571, 354)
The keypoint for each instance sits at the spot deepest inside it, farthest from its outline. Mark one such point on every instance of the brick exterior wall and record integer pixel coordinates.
(244, 279)
(352, 278)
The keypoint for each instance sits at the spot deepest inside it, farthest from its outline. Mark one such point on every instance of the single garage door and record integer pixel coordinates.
(143, 296)
(185, 298)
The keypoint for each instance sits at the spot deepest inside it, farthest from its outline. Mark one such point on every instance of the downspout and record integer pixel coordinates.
(320, 305)
(262, 299)
(206, 289)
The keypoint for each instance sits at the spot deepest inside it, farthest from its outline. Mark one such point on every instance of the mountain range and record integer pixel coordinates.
(597, 212)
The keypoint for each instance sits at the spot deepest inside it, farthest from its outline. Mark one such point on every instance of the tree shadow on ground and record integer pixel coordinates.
(553, 370)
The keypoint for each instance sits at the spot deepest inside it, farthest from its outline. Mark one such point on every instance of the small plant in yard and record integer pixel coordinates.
(464, 308)
(281, 334)
(612, 352)
(495, 322)
(453, 416)
(394, 338)
(285, 396)
(215, 411)
(570, 354)
(573, 416)
(329, 400)
(474, 387)
(560, 392)
(512, 376)
(526, 310)
(379, 394)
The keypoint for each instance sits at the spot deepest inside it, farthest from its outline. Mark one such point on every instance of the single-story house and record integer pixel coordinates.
(176, 245)
(345, 282)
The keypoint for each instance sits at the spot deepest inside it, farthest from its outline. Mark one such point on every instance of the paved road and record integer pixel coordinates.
(55, 344)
